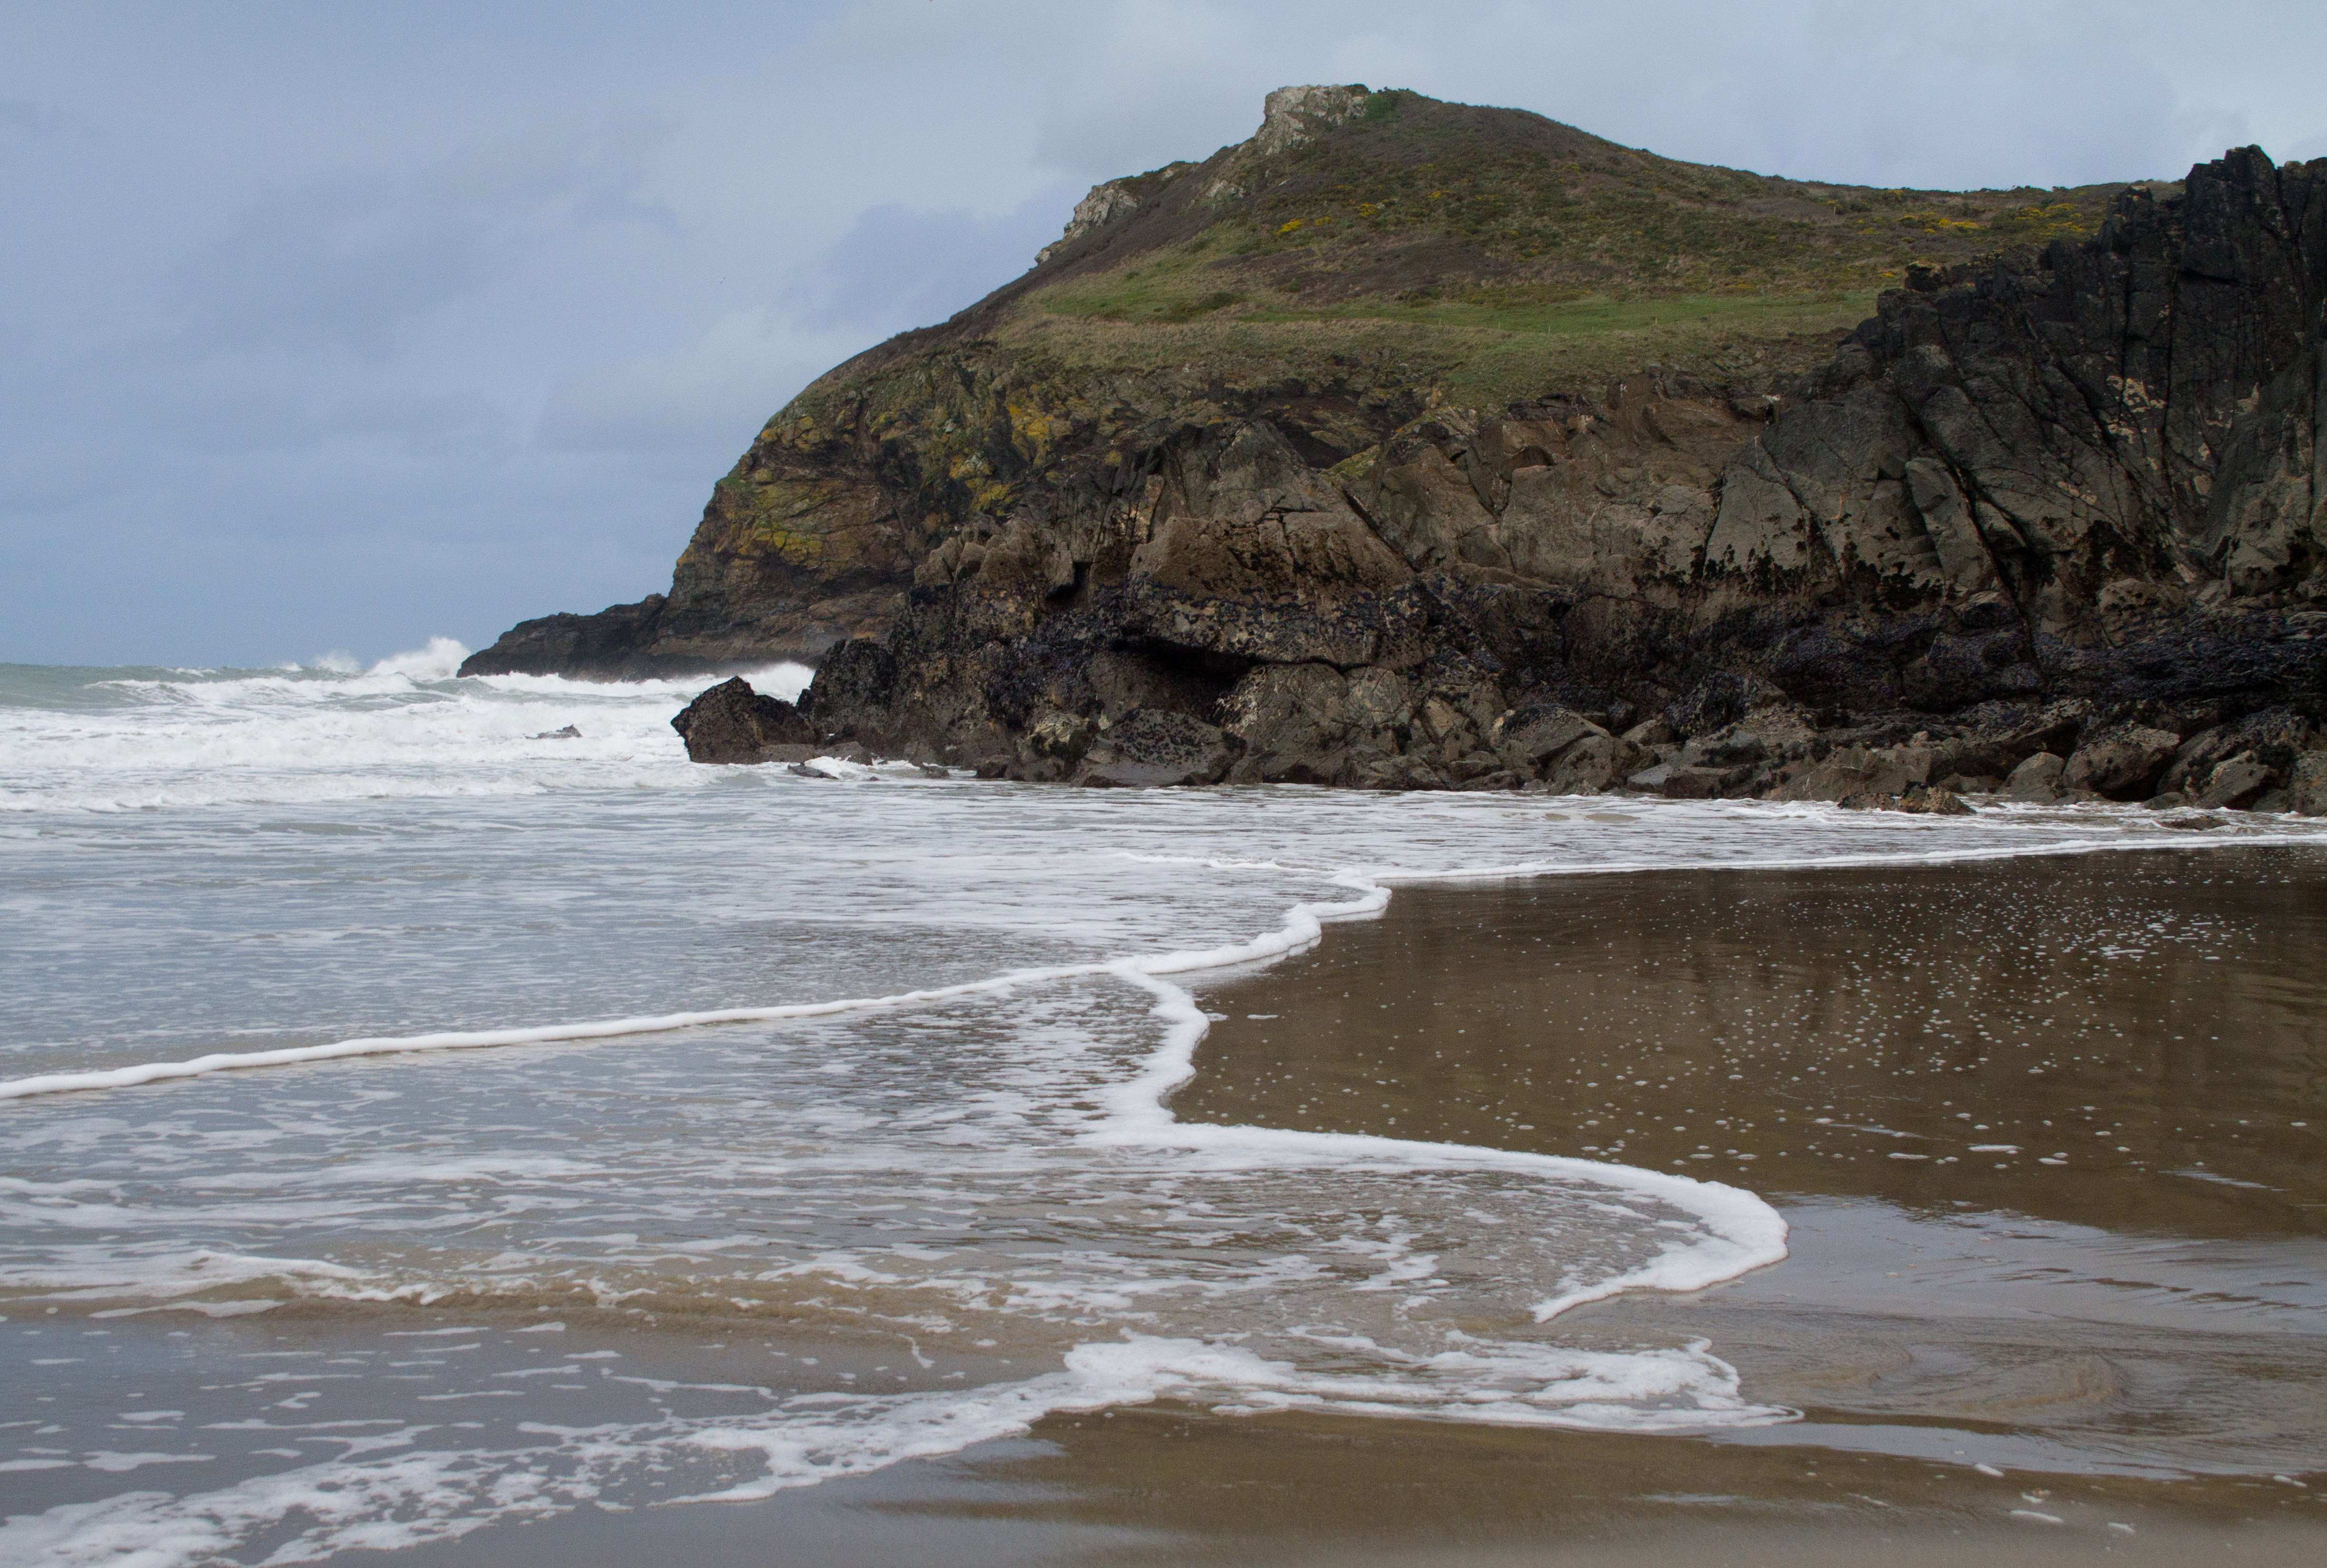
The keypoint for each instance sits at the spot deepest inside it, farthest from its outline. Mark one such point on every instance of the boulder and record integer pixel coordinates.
(2122, 764)
(1593, 765)
(1530, 740)
(2306, 784)
(730, 723)
(1931, 800)
(1726, 748)
(1695, 783)
(1292, 721)
(1376, 770)
(1920, 799)
(2037, 779)
(1153, 748)
(2235, 781)
(1971, 783)
(2275, 736)
(1859, 771)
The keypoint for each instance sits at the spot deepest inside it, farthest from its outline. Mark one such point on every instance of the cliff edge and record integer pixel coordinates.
(1391, 446)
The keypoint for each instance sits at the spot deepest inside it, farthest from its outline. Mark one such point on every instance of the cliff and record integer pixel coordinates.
(1368, 447)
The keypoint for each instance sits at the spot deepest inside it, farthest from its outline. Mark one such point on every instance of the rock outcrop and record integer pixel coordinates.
(730, 723)
(2053, 521)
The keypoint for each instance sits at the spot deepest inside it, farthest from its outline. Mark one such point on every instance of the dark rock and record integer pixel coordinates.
(2039, 778)
(1932, 800)
(1719, 700)
(1594, 765)
(2235, 781)
(1153, 748)
(2122, 764)
(730, 723)
(853, 690)
(1530, 740)
(1694, 783)
(568, 733)
(1858, 770)
(2306, 785)
(1726, 748)
(2274, 737)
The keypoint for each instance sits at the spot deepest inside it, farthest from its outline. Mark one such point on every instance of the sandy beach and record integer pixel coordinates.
(2081, 1319)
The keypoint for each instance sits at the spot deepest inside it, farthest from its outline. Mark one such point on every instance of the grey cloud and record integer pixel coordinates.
(344, 262)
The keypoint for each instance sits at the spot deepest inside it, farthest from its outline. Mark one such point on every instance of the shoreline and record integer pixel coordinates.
(1870, 1469)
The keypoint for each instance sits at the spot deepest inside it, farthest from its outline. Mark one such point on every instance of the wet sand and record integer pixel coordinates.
(2048, 1132)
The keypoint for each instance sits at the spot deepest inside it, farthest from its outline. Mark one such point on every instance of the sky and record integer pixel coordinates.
(326, 329)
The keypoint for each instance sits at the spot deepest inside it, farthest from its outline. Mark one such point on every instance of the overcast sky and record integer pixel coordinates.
(333, 327)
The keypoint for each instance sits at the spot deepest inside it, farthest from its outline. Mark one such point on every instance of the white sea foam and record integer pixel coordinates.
(407, 727)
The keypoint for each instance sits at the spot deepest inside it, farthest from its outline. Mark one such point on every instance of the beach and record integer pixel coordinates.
(426, 1135)
(1995, 1359)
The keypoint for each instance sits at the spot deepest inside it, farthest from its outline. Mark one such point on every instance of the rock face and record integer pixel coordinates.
(730, 723)
(2056, 517)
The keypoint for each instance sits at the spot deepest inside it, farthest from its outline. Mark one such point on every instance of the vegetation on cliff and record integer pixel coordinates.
(1416, 445)
(1365, 257)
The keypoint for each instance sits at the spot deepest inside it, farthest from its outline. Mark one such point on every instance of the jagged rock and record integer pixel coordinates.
(1530, 740)
(2274, 737)
(2306, 784)
(1293, 722)
(1593, 765)
(1725, 749)
(1373, 771)
(1719, 700)
(1859, 771)
(1918, 799)
(1684, 783)
(566, 734)
(2122, 765)
(2039, 778)
(1153, 748)
(854, 686)
(2235, 781)
(1932, 800)
(730, 723)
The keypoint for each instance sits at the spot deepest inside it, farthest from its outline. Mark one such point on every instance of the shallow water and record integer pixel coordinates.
(535, 1244)
(2048, 1134)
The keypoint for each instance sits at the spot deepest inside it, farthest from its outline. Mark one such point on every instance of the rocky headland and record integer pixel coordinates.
(1416, 445)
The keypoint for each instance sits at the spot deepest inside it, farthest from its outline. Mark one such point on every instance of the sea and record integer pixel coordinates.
(429, 1103)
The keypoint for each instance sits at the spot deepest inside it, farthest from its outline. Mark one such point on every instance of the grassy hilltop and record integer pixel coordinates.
(1367, 258)
(1496, 251)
